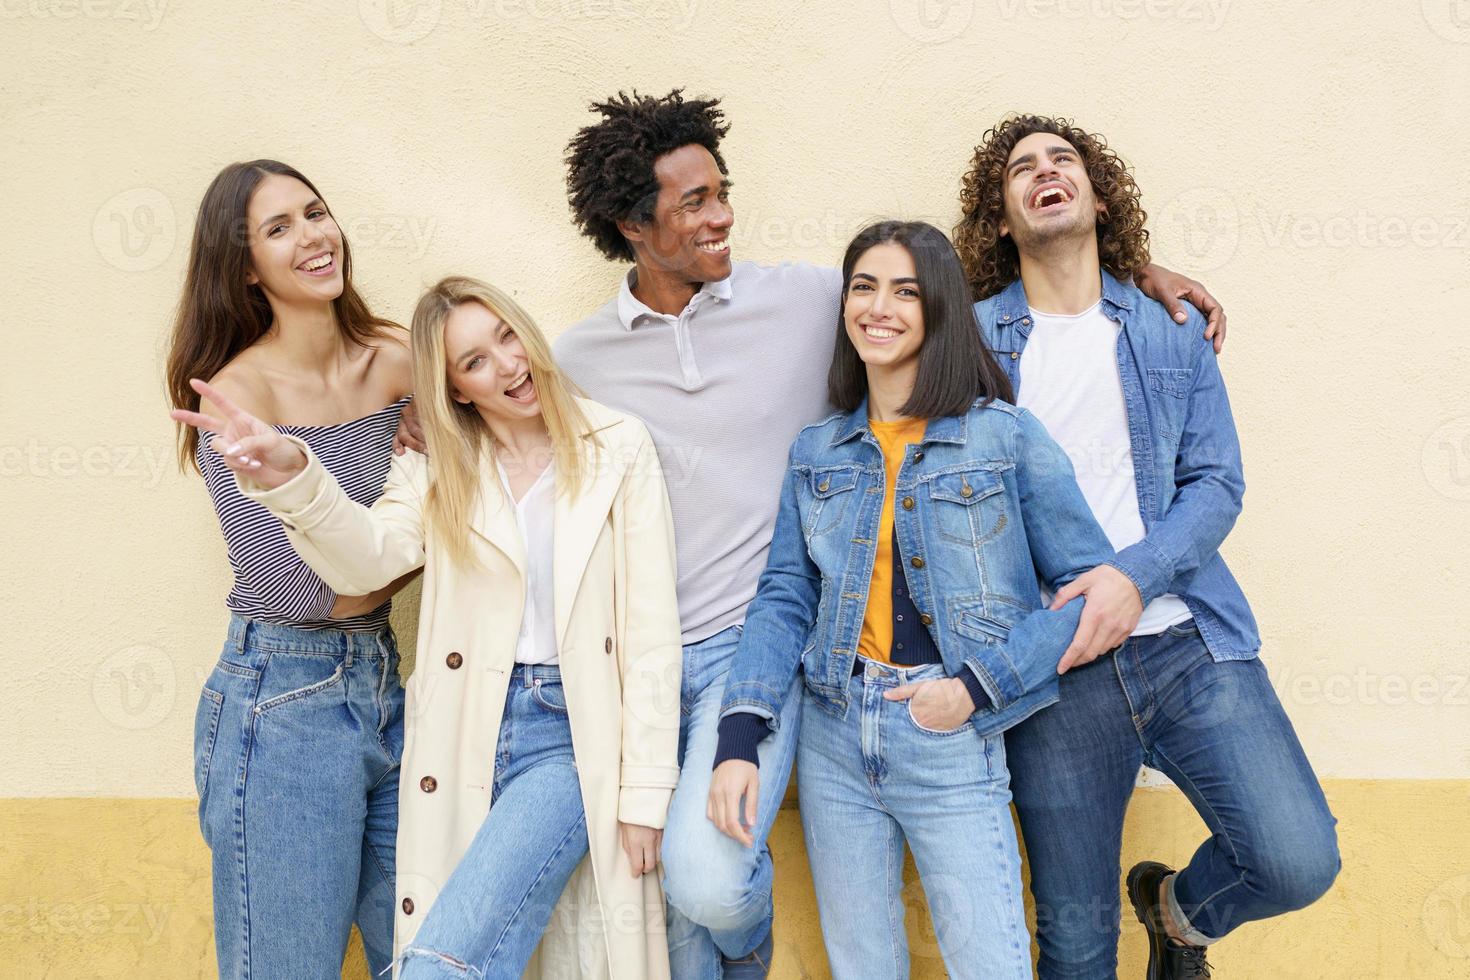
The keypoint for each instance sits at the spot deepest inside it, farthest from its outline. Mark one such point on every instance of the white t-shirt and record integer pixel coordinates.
(534, 517)
(1069, 380)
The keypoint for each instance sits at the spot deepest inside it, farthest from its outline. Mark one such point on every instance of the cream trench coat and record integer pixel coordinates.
(619, 645)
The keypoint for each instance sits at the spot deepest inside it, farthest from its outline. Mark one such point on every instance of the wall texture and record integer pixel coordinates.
(1307, 161)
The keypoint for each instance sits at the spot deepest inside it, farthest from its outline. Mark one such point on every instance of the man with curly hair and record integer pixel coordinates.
(1052, 232)
(725, 362)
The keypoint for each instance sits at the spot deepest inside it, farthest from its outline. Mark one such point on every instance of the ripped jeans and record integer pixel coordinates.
(489, 918)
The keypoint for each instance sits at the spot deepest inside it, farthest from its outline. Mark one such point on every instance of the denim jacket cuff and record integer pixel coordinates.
(755, 698)
(974, 676)
(1146, 568)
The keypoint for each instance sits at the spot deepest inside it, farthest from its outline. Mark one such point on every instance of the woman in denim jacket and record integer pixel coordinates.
(903, 582)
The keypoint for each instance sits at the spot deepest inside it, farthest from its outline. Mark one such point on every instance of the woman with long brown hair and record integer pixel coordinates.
(299, 727)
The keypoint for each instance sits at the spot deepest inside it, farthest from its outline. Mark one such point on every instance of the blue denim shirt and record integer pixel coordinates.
(1186, 456)
(985, 502)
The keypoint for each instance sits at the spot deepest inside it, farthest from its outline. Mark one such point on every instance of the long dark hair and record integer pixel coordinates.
(220, 314)
(955, 368)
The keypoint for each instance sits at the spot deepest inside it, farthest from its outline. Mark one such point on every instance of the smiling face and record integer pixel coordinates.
(689, 235)
(487, 365)
(882, 309)
(295, 245)
(1048, 195)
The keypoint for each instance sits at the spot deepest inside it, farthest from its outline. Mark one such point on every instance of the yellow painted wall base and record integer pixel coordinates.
(103, 888)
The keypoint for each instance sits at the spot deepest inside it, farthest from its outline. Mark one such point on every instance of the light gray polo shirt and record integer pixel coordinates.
(724, 387)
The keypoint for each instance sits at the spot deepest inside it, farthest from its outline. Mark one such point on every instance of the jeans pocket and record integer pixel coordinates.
(967, 726)
(305, 693)
(549, 695)
(206, 727)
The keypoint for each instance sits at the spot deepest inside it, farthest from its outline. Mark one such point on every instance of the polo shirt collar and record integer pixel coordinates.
(632, 310)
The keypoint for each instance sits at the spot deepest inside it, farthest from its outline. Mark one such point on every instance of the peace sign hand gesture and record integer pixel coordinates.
(246, 444)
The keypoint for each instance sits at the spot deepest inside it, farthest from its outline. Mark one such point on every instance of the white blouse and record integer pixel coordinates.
(534, 515)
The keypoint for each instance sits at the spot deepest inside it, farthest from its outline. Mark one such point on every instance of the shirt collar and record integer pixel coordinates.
(631, 309)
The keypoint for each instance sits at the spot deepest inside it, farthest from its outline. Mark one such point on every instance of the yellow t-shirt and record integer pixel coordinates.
(876, 640)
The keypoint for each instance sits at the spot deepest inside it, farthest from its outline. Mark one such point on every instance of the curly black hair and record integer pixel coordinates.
(610, 163)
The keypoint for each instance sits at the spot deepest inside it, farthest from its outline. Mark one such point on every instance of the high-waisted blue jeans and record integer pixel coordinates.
(297, 741)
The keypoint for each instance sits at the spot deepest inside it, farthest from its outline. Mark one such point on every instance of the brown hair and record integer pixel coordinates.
(990, 258)
(220, 314)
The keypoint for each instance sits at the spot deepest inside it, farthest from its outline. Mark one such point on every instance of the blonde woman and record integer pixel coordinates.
(542, 716)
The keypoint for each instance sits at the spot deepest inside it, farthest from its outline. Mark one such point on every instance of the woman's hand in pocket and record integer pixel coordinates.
(938, 705)
(641, 844)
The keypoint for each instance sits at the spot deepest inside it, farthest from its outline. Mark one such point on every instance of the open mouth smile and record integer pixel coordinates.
(323, 264)
(523, 390)
(1049, 196)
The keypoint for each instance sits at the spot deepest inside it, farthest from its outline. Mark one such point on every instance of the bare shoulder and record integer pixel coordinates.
(242, 382)
(392, 361)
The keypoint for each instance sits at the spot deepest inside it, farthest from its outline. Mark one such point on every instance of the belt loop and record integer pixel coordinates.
(242, 642)
(347, 638)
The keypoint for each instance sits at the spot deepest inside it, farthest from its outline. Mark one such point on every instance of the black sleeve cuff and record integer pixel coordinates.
(972, 684)
(740, 733)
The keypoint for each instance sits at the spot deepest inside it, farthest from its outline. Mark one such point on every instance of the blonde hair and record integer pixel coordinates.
(457, 437)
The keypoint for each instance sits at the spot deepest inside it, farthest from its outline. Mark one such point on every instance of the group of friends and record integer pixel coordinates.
(942, 523)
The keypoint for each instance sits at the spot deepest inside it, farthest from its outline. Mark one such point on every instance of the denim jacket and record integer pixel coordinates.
(983, 504)
(1186, 456)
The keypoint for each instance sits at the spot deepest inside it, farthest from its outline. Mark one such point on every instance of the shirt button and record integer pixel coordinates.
(1015, 354)
(607, 645)
(408, 906)
(900, 646)
(908, 503)
(966, 490)
(918, 455)
(916, 561)
(454, 660)
(428, 784)
(925, 618)
(899, 617)
(1006, 318)
(823, 486)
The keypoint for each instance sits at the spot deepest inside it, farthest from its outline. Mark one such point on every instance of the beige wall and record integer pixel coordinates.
(1308, 161)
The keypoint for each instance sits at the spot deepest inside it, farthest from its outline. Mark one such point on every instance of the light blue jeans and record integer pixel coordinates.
(490, 916)
(873, 779)
(297, 739)
(718, 891)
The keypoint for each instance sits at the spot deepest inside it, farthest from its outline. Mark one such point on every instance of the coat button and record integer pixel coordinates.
(908, 503)
(428, 784)
(966, 490)
(823, 486)
(408, 906)
(916, 561)
(607, 645)
(454, 660)
(925, 618)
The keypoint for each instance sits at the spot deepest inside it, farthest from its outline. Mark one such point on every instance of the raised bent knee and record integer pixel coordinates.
(1294, 879)
(712, 893)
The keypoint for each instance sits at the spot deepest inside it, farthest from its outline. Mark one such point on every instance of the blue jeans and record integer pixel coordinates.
(296, 746)
(719, 892)
(495, 907)
(873, 779)
(1218, 731)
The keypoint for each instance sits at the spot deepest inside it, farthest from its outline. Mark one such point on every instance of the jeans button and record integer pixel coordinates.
(873, 670)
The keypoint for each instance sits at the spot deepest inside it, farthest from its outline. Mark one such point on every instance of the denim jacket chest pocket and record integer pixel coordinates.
(1170, 388)
(825, 495)
(969, 507)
